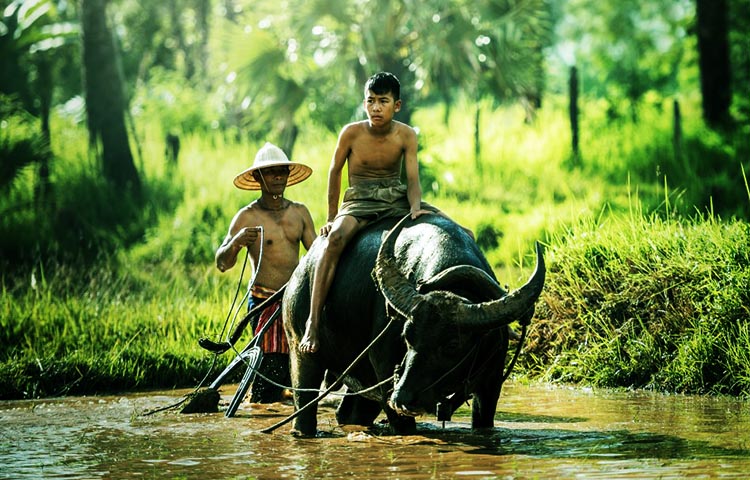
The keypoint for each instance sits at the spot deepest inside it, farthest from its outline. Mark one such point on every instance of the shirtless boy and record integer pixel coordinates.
(286, 225)
(375, 150)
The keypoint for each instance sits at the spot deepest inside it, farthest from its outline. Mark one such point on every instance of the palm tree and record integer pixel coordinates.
(105, 101)
(322, 51)
(30, 37)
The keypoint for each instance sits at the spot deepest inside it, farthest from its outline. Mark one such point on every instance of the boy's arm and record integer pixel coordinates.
(413, 188)
(343, 147)
(334, 189)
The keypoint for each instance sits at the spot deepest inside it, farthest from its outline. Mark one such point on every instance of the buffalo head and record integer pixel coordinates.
(453, 341)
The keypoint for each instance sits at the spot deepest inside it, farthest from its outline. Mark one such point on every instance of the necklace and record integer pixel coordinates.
(282, 206)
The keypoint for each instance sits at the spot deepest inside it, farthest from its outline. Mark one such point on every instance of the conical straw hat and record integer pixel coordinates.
(271, 156)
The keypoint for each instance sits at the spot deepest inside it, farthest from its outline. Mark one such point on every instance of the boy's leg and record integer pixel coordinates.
(342, 230)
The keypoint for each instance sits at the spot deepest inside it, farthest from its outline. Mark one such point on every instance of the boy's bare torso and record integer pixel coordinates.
(375, 155)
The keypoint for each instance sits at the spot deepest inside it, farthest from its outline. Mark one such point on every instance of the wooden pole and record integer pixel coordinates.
(573, 110)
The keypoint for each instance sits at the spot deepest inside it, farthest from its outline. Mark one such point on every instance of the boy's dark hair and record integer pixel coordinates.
(382, 83)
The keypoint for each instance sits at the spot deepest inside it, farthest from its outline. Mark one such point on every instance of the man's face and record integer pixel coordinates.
(272, 179)
(380, 108)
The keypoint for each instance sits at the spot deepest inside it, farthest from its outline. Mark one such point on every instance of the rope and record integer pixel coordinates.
(334, 385)
(505, 376)
(250, 285)
(290, 388)
(187, 395)
(224, 329)
(518, 351)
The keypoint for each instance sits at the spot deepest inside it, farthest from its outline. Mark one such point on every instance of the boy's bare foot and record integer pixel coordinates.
(309, 342)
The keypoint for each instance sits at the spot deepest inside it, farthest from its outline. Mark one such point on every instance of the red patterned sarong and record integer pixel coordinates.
(274, 340)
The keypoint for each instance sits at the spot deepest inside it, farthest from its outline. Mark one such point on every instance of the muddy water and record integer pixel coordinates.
(541, 432)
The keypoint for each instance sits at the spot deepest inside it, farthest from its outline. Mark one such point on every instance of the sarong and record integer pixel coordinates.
(375, 199)
(274, 340)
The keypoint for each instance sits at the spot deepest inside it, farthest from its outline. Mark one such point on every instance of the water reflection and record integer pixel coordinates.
(541, 432)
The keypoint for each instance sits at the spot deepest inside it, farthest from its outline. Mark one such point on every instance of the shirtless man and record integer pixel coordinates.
(375, 150)
(285, 225)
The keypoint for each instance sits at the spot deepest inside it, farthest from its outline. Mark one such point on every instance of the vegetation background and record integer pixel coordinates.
(617, 133)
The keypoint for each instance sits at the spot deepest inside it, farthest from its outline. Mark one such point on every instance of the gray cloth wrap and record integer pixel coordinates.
(375, 199)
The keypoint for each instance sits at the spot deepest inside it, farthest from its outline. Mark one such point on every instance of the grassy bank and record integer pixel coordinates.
(642, 302)
(647, 285)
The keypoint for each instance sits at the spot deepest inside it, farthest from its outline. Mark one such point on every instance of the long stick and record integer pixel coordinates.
(221, 347)
(252, 366)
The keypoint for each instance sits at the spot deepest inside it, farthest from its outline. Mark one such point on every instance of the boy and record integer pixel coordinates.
(375, 150)
(285, 225)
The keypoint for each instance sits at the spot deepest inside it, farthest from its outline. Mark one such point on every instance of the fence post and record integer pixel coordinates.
(573, 110)
(677, 131)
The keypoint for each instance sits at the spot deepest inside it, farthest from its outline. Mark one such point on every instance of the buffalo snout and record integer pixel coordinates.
(404, 403)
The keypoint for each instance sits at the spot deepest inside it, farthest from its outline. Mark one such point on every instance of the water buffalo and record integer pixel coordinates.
(449, 340)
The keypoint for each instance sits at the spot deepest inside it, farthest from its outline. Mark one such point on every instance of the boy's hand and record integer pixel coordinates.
(325, 229)
(418, 213)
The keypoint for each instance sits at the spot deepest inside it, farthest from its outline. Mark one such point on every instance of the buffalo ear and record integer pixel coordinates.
(466, 280)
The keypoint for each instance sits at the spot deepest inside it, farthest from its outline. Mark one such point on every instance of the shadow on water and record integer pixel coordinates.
(561, 443)
(535, 418)
(557, 443)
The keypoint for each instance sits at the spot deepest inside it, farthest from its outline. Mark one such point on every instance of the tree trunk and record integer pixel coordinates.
(44, 87)
(203, 13)
(715, 70)
(105, 102)
(477, 137)
(229, 12)
(289, 137)
(179, 34)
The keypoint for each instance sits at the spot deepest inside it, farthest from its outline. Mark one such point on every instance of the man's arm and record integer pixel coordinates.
(308, 228)
(413, 188)
(240, 235)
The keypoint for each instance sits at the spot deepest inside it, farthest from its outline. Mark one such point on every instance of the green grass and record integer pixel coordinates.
(647, 283)
(644, 302)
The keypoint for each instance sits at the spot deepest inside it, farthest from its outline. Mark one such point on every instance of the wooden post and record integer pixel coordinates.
(677, 131)
(573, 110)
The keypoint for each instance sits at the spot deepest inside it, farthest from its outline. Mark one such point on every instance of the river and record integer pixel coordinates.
(541, 431)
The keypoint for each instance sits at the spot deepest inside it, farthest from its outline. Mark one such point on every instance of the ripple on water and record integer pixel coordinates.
(541, 431)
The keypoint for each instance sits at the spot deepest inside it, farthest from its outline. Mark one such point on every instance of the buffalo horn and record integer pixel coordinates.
(400, 294)
(509, 308)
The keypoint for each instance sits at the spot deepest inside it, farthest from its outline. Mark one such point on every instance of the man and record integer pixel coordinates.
(284, 225)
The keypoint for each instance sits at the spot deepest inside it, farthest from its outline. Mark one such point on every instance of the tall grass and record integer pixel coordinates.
(644, 302)
(651, 285)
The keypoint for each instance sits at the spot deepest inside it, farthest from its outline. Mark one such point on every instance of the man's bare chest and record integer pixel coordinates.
(280, 229)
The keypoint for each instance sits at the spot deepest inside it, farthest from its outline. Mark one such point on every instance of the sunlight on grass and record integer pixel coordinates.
(646, 287)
